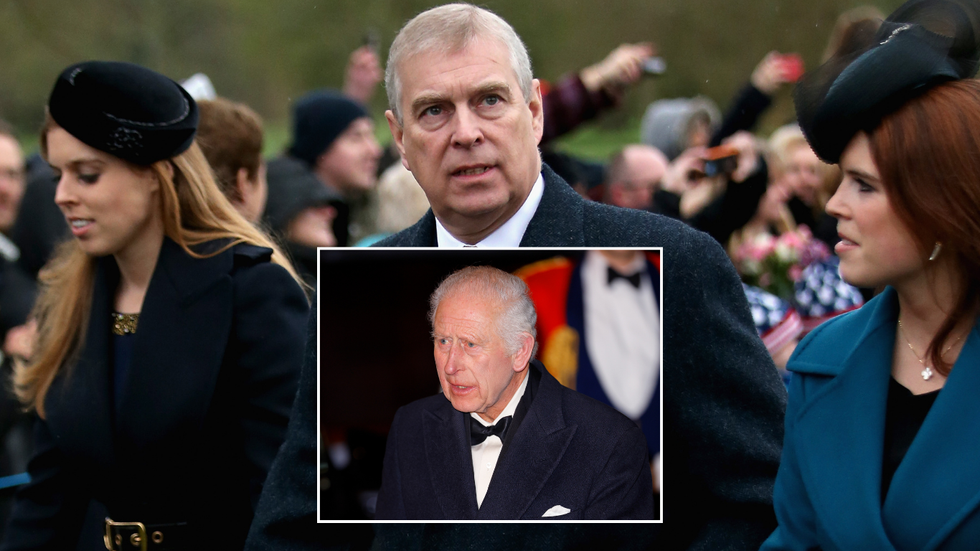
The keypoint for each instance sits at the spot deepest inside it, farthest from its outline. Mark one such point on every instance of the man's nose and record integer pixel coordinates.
(468, 131)
(451, 365)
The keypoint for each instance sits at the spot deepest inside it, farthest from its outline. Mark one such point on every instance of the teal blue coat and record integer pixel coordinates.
(828, 489)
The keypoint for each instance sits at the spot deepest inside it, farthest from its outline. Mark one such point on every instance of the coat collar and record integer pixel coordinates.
(845, 418)
(178, 350)
(558, 222)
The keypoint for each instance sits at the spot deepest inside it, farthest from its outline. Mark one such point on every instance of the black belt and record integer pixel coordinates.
(126, 536)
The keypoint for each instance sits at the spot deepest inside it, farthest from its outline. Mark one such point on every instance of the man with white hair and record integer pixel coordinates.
(505, 440)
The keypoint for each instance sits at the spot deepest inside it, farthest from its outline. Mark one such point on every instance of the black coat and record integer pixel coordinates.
(568, 450)
(723, 400)
(213, 375)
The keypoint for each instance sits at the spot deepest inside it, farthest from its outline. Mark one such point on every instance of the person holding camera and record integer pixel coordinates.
(716, 190)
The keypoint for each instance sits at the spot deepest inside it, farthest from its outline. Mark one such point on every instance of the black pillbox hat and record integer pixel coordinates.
(125, 110)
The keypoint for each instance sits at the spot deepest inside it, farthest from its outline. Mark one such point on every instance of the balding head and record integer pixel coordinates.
(633, 175)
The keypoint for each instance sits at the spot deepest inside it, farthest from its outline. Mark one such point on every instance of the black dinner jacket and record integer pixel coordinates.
(568, 451)
(213, 375)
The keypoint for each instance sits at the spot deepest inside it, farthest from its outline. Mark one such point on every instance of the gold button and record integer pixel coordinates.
(134, 539)
(157, 537)
(118, 540)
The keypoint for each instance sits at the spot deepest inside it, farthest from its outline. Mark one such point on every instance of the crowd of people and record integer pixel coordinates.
(160, 351)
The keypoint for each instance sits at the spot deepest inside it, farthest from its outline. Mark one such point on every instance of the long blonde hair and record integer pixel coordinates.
(194, 211)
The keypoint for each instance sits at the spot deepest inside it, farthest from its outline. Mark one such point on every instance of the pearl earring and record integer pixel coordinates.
(935, 251)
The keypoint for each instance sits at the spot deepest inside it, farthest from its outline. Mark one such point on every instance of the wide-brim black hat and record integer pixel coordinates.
(124, 109)
(923, 43)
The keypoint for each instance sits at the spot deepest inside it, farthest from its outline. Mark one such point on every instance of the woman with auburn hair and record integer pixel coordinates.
(882, 440)
(170, 331)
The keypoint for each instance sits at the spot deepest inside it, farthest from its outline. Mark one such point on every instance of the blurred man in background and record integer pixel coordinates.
(633, 175)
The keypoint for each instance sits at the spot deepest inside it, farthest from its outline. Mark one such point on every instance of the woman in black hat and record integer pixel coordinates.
(170, 331)
(882, 437)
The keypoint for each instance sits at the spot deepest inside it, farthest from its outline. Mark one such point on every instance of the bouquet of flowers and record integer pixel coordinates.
(776, 263)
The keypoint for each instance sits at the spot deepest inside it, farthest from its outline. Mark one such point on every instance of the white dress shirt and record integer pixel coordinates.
(623, 328)
(507, 235)
(486, 453)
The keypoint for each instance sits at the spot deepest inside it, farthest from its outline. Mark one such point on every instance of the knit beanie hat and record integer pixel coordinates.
(318, 118)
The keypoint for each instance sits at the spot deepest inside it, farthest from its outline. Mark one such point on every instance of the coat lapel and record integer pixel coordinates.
(937, 484)
(179, 348)
(532, 455)
(558, 222)
(847, 419)
(450, 462)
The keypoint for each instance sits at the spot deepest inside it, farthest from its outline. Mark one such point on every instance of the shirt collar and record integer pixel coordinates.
(511, 405)
(637, 265)
(507, 235)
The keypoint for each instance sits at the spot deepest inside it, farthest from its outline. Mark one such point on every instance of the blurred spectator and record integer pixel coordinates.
(720, 203)
(299, 214)
(810, 181)
(40, 226)
(17, 288)
(363, 74)
(401, 202)
(230, 135)
(633, 175)
(333, 136)
(676, 125)
(582, 96)
(17, 293)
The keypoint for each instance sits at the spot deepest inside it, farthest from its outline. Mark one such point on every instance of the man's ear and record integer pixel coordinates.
(536, 105)
(397, 132)
(245, 187)
(523, 355)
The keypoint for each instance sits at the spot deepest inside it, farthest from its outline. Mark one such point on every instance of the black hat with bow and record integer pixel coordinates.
(921, 44)
(124, 109)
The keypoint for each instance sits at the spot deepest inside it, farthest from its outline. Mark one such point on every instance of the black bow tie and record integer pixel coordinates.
(479, 432)
(613, 275)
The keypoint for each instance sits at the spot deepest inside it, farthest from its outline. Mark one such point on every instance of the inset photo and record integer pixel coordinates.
(490, 385)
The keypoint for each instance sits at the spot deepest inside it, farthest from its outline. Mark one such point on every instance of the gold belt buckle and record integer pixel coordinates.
(139, 538)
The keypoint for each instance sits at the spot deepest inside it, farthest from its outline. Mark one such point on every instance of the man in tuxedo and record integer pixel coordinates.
(504, 440)
(599, 331)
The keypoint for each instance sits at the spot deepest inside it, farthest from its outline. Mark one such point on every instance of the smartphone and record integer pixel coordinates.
(654, 66)
(722, 159)
(792, 66)
(372, 39)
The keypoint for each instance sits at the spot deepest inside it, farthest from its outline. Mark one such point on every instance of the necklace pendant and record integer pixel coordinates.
(927, 373)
